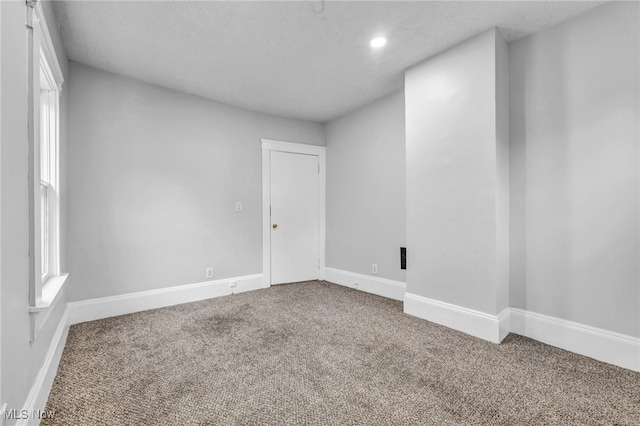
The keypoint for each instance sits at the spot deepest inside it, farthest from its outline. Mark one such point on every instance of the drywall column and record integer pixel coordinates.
(457, 187)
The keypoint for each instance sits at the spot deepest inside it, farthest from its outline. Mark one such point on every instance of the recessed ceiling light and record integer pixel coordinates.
(378, 42)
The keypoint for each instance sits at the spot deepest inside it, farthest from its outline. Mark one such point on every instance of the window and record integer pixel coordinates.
(48, 170)
(44, 118)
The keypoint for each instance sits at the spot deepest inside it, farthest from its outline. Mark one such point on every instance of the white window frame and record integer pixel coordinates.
(45, 286)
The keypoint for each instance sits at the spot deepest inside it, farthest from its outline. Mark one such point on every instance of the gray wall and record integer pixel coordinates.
(20, 359)
(455, 254)
(574, 168)
(503, 173)
(366, 189)
(154, 176)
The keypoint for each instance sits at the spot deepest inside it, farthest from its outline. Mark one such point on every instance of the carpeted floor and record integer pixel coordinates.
(318, 353)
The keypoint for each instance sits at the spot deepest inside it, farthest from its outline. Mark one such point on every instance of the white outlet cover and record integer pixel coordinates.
(238, 206)
(209, 272)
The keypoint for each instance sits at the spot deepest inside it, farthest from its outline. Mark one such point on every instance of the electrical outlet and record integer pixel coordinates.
(374, 268)
(209, 273)
(238, 206)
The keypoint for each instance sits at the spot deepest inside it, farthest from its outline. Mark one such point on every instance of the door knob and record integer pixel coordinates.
(275, 225)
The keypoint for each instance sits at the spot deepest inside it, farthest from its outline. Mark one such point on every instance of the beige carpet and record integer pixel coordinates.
(317, 353)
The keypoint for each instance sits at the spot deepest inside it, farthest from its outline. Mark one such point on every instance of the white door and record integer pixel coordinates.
(295, 219)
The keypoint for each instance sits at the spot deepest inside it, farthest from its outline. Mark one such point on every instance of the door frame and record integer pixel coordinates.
(269, 145)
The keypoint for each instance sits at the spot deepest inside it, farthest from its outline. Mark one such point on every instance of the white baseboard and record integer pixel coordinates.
(504, 324)
(603, 345)
(39, 393)
(375, 285)
(105, 307)
(479, 324)
(247, 283)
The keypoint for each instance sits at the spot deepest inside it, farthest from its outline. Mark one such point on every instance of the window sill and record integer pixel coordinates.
(51, 294)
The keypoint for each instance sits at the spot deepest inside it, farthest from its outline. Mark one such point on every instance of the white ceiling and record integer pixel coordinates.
(304, 59)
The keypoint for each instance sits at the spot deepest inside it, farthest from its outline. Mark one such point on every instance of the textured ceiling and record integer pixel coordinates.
(304, 59)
